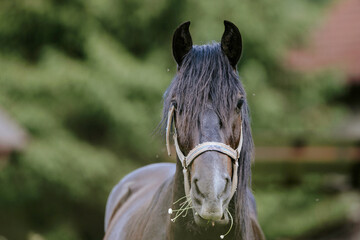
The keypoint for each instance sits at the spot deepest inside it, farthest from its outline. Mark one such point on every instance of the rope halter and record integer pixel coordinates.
(186, 161)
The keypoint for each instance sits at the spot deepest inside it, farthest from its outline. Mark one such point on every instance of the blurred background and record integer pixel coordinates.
(81, 84)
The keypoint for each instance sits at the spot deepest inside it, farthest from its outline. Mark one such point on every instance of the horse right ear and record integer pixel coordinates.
(182, 42)
(231, 43)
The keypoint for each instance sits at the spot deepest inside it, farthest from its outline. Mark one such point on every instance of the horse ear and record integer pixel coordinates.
(182, 42)
(231, 43)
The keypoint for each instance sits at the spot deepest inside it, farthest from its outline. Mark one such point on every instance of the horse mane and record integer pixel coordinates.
(206, 74)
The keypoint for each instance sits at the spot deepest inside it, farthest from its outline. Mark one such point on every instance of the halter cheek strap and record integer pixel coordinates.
(186, 161)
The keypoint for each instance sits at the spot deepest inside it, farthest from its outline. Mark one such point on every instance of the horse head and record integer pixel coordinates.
(206, 104)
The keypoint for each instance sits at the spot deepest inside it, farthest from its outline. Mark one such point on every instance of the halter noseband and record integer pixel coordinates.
(186, 161)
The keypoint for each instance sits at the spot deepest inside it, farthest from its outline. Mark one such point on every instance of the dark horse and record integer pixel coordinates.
(206, 194)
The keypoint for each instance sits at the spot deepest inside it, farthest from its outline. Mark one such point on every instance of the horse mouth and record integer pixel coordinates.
(200, 221)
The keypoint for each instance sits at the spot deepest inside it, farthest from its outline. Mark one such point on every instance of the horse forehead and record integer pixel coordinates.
(209, 118)
(210, 126)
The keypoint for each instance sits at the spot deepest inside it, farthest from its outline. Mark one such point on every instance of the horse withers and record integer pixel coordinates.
(206, 194)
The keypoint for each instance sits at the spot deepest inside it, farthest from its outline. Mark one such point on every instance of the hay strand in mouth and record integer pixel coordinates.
(187, 197)
(184, 208)
(186, 205)
(231, 225)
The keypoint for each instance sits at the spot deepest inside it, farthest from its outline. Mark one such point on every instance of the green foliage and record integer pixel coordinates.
(27, 26)
(139, 29)
(85, 79)
(289, 213)
(89, 125)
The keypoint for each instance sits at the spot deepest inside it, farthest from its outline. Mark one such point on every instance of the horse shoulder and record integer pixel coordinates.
(135, 189)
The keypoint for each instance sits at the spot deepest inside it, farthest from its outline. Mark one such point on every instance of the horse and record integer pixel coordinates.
(206, 194)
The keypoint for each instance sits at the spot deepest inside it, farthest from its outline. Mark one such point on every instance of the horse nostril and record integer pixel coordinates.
(196, 187)
(227, 184)
(197, 201)
(227, 179)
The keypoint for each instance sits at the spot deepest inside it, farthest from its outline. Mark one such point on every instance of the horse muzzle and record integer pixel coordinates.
(210, 189)
(209, 218)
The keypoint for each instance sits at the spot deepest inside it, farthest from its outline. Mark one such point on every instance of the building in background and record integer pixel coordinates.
(12, 138)
(335, 43)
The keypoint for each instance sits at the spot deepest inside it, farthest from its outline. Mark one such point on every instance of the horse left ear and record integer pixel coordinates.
(182, 42)
(231, 43)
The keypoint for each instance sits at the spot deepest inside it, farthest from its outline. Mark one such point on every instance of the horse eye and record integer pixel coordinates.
(174, 103)
(240, 103)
